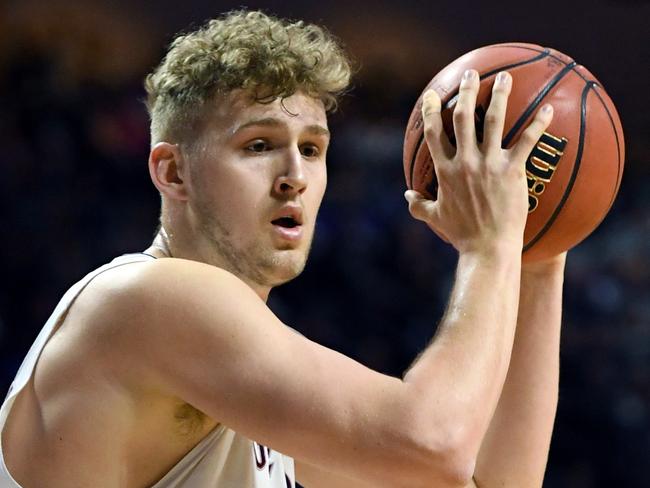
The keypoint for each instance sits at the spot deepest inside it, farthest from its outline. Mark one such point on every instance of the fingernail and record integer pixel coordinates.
(548, 108)
(468, 75)
(502, 77)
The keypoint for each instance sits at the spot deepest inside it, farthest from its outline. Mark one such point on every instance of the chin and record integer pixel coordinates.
(284, 267)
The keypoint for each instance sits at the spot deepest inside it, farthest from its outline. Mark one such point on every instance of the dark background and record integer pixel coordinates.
(75, 192)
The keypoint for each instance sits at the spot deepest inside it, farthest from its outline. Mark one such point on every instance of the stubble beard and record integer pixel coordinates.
(257, 263)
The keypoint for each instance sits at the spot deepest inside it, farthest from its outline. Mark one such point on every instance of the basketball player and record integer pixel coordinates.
(166, 368)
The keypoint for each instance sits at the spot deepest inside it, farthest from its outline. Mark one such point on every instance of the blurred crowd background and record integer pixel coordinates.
(75, 191)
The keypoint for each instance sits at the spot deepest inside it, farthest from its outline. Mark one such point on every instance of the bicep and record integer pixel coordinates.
(310, 476)
(217, 346)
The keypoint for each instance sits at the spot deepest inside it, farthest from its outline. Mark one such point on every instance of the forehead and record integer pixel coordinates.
(231, 111)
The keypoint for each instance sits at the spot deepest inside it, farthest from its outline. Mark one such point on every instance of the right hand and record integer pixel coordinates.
(482, 199)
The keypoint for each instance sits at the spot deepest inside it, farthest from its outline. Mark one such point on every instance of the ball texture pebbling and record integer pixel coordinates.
(575, 170)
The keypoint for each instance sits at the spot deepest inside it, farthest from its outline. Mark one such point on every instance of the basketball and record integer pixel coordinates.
(574, 171)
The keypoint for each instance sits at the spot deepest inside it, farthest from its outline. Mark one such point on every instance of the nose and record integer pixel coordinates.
(291, 180)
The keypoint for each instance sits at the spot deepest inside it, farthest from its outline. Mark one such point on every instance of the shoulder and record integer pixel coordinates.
(161, 284)
(182, 329)
(162, 273)
(162, 307)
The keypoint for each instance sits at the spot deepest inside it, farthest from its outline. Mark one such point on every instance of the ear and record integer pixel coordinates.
(168, 170)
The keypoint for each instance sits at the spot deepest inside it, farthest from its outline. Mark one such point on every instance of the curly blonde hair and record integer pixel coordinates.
(273, 58)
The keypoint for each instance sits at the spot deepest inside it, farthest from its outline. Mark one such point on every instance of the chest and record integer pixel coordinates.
(89, 430)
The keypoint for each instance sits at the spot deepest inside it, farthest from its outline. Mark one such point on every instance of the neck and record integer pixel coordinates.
(160, 245)
(164, 246)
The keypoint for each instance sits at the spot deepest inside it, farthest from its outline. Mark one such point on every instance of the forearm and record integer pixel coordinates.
(480, 209)
(515, 449)
(469, 356)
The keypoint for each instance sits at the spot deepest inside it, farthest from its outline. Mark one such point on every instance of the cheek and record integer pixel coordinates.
(227, 197)
(234, 182)
(318, 184)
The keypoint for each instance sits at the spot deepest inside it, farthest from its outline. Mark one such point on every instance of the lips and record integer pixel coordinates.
(287, 222)
(289, 216)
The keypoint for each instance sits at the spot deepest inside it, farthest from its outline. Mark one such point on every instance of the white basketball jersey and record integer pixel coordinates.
(223, 459)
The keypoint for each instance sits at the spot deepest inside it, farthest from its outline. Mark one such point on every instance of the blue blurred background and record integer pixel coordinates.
(75, 191)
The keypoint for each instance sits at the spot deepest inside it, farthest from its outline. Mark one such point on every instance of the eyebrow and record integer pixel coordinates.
(278, 124)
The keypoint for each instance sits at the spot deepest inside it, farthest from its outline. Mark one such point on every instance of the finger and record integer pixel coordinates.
(434, 133)
(496, 113)
(441, 235)
(420, 207)
(425, 210)
(464, 112)
(528, 139)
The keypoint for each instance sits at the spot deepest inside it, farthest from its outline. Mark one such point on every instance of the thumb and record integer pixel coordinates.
(421, 208)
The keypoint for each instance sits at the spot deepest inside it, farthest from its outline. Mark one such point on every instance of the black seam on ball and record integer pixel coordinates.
(618, 144)
(576, 167)
(540, 56)
(533, 105)
(542, 50)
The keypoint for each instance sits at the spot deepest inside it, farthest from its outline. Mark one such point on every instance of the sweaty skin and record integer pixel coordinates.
(145, 340)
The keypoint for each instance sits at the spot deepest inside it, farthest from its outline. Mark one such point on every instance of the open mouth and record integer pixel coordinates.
(287, 222)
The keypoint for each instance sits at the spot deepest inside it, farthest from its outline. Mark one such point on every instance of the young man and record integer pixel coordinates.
(167, 369)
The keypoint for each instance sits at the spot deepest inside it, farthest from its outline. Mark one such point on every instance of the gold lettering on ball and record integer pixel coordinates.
(541, 165)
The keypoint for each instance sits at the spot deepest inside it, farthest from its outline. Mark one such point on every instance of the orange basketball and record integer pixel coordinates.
(575, 170)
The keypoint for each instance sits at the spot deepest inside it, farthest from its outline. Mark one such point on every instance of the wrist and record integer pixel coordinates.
(493, 250)
(545, 268)
(500, 260)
